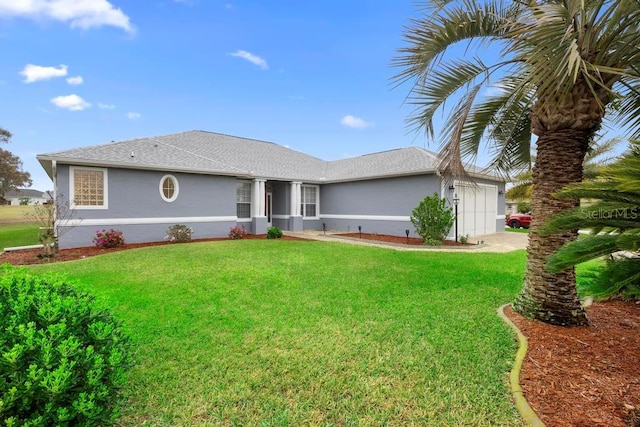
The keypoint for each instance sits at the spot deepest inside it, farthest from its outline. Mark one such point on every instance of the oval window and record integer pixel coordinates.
(169, 188)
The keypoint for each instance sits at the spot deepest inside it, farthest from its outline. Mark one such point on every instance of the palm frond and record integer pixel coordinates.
(441, 28)
(510, 131)
(581, 250)
(451, 165)
(441, 84)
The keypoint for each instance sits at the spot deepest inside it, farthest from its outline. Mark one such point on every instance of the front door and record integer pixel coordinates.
(267, 208)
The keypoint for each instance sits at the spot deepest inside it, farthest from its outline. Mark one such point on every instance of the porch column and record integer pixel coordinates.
(259, 220)
(295, 217)
(295, 198)
(258, 197)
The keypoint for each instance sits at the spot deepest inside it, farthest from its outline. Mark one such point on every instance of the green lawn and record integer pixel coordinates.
(14, 213)
(286, 333)
(14, 230)
(18, 234)
(517, 230)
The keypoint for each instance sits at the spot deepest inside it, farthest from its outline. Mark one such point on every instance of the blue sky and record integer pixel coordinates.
(313, 76)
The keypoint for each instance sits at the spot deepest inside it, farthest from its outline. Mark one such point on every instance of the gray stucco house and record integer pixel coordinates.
(213, 182)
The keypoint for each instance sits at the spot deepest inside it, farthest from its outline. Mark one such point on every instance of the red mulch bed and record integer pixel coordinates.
(588, 375)
(33, 256)
(413, 241)
(583, 376)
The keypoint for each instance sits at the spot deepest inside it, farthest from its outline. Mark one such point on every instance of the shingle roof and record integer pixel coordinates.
(214, 153)
(25, 192)
(402, 161)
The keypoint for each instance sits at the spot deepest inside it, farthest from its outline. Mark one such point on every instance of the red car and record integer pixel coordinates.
(518, 220)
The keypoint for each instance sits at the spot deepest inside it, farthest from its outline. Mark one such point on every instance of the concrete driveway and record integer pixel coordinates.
(497, 242)
(505, 241)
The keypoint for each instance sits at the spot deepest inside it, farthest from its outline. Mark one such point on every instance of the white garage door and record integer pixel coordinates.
(477, 209)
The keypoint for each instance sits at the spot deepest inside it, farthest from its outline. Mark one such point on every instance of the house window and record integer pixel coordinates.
(88, 188)
(243, 199)
(309, 202)
(169, 188)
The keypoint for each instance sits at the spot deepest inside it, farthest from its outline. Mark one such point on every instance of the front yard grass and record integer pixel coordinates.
(18, 234)
(15, 213)
(516, 230)
(254, 332)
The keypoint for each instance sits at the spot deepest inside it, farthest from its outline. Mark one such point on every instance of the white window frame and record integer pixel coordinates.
(245, 219)
(105, 189)
(176, 188)
(303, 210)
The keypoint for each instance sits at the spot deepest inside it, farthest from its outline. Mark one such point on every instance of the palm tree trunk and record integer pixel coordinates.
(553, 298)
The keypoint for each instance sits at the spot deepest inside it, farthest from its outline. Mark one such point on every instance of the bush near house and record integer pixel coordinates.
(433, 219)
(179, 233)
(237, 232)
(108, 238)
(274, 233)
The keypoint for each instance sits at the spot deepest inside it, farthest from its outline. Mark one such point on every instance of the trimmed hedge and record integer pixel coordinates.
(63, 359)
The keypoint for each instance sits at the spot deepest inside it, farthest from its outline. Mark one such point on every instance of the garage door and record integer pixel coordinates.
(477, 209)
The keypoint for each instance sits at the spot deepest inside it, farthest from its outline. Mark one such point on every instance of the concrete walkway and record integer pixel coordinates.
(496, 242)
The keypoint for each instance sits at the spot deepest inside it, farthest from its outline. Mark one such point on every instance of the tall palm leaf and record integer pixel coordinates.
(558, 66)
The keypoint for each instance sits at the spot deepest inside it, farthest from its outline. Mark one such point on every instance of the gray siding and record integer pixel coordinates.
(373, 204)
(136, 207)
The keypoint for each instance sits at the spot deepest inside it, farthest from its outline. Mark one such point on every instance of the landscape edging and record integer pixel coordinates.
(526, 412)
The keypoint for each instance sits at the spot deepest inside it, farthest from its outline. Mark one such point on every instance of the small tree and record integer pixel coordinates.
(433, 219)
(49, 217)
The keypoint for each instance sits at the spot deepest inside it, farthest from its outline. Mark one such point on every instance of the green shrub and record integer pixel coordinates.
(432, 219)
(179, 233)
(523, 207)
(274, 233)
(108, 238)
(62, 358)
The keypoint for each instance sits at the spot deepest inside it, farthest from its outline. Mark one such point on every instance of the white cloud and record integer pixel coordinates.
(33, 73)
(133, 116)
(83, 14)
(106, 106)
(254, 59)
(70, 102)
(495, 90)
(354, 122)
(77, 80)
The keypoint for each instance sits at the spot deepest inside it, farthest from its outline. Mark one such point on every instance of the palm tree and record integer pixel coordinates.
(561, 66)
(595, 160)
(613, 216)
